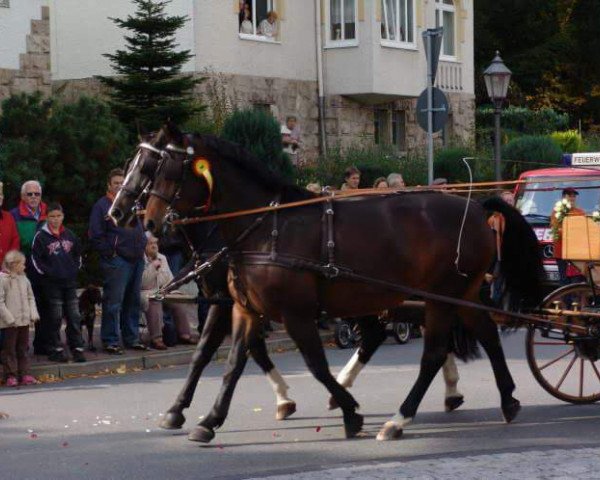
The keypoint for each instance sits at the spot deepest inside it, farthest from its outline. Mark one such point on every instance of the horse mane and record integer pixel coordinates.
(253, 166)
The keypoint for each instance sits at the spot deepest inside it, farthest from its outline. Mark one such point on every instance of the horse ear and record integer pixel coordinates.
(173, 131)
(141, 131)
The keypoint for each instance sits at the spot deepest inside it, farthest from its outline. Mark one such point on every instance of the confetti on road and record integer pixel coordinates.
(276, 435)
(33, 436)
(65, 444)
(318, 429)
(257, 409)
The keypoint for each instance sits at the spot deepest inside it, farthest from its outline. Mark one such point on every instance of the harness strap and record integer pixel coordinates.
(291, 261)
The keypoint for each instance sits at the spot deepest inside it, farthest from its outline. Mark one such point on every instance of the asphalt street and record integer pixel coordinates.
(106, 428)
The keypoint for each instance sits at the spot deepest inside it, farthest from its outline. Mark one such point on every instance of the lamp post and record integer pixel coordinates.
(497, 77)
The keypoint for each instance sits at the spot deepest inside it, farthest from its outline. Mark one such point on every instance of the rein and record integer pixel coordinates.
(330, 195)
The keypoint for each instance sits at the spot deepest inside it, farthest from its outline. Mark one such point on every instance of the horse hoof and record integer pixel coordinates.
(353, 424)
(389, 431)
(332, 404)
(172, 421)
(285, 410)
(511, 409)
(452, 403)
(201, 434)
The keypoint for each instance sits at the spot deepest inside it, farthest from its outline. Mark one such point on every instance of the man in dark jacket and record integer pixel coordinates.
(122, 263)
(56, 256)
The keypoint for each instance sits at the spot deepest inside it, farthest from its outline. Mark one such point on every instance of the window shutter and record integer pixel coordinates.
(462, 15)
(280, 9)
(420, 11)
(361, 10)
(323, 19)
(236, 6)
(378, 10)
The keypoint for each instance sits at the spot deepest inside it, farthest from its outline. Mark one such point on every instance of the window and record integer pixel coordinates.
(5, 3)
(399, 129)
(390, 127)
(398, 21)
(341, 22)
(255, 21)
(444, 17)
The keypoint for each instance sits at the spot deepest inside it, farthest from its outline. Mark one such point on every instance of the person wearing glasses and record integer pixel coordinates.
(29, 215)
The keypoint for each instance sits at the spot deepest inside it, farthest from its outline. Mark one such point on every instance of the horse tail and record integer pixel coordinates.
(521, 259)
(463, 343)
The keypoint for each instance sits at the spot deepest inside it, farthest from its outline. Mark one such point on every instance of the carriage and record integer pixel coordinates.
(176, 173)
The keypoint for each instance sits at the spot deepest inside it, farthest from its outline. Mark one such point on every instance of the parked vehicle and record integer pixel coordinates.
(346, 334)
(541, 189)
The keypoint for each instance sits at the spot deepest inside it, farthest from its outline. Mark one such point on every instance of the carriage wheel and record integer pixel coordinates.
(567, 368)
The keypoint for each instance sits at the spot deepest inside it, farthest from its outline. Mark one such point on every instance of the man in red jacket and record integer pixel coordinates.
(9, 237)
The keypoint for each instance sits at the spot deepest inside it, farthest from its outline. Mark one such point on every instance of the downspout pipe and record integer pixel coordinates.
(320, 83)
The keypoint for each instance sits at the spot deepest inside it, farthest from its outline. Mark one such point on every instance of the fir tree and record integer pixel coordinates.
(150, 87)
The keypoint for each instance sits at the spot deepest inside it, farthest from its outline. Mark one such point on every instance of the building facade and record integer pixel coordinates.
(364, 59)
(24, 47)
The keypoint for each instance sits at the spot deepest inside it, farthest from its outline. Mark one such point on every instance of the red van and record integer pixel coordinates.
(541, 189)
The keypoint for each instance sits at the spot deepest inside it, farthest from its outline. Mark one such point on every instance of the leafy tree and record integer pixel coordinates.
(150, 87)
(69, 148)
(260, 134)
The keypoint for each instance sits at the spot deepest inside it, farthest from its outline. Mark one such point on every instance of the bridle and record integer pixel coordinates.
(175, 169)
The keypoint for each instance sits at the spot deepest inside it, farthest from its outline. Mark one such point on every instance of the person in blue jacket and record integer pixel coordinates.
(122, 264)
(56, 257)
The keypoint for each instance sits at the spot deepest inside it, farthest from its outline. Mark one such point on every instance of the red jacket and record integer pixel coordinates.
(9, 237)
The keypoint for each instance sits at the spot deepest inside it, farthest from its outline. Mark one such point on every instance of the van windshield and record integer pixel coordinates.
(537, 197)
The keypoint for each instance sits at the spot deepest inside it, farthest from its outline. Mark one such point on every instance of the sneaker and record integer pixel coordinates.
(12, 382)
(137, 346)
(78, 356)
(29, 380)
(58, 356)
(113, 350)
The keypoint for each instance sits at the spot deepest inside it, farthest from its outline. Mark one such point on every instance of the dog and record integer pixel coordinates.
(88, 300)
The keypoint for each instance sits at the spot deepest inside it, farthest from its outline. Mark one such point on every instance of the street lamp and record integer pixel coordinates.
(497, 77)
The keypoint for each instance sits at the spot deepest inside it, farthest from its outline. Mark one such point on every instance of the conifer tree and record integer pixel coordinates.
(149, 87)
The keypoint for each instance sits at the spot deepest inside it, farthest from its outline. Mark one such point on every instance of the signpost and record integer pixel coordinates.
(432, 38)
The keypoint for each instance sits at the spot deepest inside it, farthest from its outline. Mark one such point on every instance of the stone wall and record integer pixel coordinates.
(348, 123)
(34, 65)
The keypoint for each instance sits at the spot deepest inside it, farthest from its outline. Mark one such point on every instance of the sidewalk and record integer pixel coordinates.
(99, 363)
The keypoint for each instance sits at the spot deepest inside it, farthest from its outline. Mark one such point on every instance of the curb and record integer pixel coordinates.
(124, 364)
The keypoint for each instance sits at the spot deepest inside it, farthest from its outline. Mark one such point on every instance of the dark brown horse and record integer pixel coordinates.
(204, 239)
(279, 270)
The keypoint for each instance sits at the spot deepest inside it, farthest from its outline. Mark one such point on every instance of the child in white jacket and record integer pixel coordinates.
(17, 313)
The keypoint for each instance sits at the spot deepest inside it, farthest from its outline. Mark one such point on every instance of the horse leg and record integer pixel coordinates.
(454, 398)
(244, 329)
(217, 326)
(306, 336)
(486, 332)
(372, 336)
(285, 405)
(435, 351)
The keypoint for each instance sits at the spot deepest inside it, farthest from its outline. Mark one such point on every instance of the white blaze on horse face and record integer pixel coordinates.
(349, 373)
(279, 386)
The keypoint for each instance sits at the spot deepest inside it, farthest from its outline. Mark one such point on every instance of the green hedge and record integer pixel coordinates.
(523, 120)
(529, 152)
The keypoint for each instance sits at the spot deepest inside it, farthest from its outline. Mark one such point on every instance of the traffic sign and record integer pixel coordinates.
(440, 110)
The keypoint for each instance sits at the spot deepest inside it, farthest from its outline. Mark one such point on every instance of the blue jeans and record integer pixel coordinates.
(121, 300)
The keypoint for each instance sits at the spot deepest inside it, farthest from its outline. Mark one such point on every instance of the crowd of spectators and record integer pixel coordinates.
(40, 260)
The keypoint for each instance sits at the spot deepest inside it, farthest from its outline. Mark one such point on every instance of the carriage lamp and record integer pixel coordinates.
(497, 77)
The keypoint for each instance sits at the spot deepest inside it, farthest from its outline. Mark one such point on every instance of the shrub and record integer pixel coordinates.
(260, 133)
(529, 152)
(569, 141)
(448, 164)
(518, 121)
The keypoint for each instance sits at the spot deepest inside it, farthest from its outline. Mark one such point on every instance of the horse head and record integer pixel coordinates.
(182, 183)
(139, 173)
